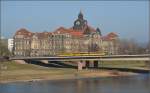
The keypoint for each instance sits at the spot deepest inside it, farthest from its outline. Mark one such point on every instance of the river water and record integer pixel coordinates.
(129, 84)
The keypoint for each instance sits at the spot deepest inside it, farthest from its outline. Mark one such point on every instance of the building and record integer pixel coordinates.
(22, 42)
(10, 44)
(110, 43)
(40, 44)
(80, 38)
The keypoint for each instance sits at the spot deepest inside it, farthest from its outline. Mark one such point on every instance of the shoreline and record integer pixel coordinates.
(16, 72)
(76, 75)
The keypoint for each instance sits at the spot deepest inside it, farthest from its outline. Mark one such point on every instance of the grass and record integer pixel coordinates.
(13, 67)
(123, 64)
(13, 71)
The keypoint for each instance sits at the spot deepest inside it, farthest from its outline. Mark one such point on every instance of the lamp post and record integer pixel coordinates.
(92, 47)
(0, 45)
(62, 44)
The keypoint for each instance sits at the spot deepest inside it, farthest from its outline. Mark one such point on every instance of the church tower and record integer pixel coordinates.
(80, 23)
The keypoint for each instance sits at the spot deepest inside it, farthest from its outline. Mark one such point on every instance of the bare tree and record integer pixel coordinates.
(4, 50)
(148, 48)
(130, 46)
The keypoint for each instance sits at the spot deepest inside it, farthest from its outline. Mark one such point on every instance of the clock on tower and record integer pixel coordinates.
(80, 22)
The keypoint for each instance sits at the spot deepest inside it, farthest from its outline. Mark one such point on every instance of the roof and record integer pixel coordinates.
(24, 32)
(112, 34)
(76, 33)
(91, 29)
(109, 37)
(28, 34)
(42, 35)
(62, 30)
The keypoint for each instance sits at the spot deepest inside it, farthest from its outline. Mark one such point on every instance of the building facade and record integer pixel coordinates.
(22, 42)
(80, 38)
(10, 44)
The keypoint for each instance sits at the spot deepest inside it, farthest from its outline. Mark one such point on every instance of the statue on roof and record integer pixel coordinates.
(99, 31)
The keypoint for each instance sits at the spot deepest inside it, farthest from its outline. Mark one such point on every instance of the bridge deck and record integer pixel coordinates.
(145, 57)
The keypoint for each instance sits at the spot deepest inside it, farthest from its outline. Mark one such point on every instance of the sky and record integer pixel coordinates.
(129, 19)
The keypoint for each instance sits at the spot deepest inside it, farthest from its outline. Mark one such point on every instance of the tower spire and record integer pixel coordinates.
(80, 16)
(81, 11)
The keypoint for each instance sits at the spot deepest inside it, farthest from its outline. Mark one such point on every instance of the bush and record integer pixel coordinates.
(4, 50)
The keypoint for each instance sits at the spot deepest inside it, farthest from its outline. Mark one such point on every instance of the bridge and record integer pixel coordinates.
(85, 60)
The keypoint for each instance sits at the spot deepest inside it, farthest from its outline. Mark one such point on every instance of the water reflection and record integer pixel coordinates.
(131, 84)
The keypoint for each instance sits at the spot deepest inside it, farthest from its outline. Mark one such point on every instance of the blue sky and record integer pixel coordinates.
(127, 18)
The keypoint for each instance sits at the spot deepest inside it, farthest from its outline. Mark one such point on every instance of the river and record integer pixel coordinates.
(128, 84)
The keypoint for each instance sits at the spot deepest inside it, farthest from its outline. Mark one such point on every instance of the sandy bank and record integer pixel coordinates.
(74, 75)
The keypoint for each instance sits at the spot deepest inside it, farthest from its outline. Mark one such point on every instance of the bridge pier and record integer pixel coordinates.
(44, 61)
(81, 64)
(95, 64)
(147, 63)
(87, 64)
(20, 61)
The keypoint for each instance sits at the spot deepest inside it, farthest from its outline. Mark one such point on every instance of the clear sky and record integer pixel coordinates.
(127, 18)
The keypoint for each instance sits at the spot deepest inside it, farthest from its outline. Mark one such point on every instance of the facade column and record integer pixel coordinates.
(96, 64)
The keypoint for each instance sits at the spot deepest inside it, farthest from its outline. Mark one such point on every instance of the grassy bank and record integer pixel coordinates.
(125, 64)
(13, 71)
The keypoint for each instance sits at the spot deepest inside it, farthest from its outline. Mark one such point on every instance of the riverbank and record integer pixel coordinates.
(15, 72)
(55, 76)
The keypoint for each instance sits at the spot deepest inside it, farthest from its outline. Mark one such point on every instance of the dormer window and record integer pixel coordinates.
(19, 32)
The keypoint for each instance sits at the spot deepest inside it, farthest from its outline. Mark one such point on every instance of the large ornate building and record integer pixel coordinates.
(79, 38)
